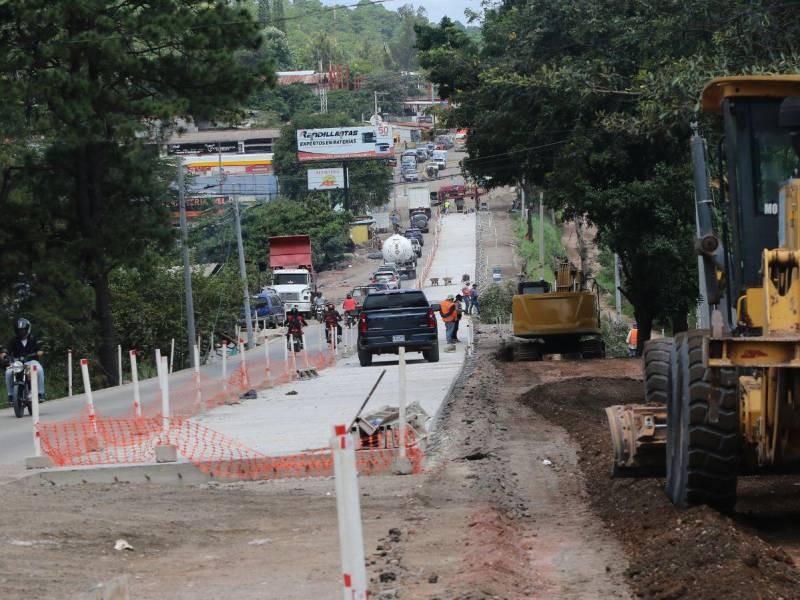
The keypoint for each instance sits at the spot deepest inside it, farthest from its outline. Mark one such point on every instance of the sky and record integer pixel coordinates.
(436, 8)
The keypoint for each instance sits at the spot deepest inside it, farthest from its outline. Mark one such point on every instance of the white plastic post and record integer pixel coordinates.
(305, 351)
(137, 400)
(243, 360)
(119, 363)
(198, 393)
(87, 388)
(293, 354)
(158, 365)
(69, 373)
(351, 536)
(37, 441)
(402, 399)
(171, 355)
(165, 394)
(286, 353)
(266, 357)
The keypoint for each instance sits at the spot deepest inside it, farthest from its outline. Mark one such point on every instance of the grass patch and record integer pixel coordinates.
(529, 249)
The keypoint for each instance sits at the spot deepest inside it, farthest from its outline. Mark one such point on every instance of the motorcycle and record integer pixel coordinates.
(328, 335)
(319, 311)
(295, 341)
(350, 318)
(21, 386)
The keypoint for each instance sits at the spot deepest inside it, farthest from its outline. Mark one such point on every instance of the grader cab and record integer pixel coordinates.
(732, 389)
(564, 321)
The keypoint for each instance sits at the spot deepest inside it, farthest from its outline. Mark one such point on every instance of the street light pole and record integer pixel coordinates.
(187, 270)
(243, 273)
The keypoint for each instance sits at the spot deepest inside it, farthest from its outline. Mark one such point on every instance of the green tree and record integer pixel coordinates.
(264, 13)
(100, 78)
(592, 101)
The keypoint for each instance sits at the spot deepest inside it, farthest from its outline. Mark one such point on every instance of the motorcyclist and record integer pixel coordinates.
(349, 308)
(25, 347)
(332, 318)
(319, 306)
(294, 325)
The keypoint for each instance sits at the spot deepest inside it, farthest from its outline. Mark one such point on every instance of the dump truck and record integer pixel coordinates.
(725, 399)
(292, 267)
(419, 202)
(564, 320)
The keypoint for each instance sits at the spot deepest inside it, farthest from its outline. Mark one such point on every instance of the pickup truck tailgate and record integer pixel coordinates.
(387, 326)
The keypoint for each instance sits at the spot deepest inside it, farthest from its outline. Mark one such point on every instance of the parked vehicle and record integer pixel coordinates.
(389, 320)
(267, 307)
(293, 275)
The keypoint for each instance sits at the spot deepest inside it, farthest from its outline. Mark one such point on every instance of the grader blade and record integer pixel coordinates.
(639, 439)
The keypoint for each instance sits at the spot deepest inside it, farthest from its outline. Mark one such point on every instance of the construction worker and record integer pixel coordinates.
(449, 313)
(446, 206)
(475, 305)
(459, 313)
(633, 340)
(466, 293)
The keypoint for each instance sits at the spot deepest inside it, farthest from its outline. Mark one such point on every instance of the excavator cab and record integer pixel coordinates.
(726, 397)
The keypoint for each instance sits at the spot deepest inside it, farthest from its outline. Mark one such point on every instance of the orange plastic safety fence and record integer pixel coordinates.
(133, 440)
(94, 440)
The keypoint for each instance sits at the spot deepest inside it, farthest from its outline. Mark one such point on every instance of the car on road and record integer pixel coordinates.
(267, 307)
(394, 319)
(417, 246)
(409, 175)
(414, 233)
(422, 154)
(497, 274)
(390, 277)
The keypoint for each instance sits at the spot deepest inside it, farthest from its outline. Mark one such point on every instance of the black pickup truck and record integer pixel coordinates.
(395, 318)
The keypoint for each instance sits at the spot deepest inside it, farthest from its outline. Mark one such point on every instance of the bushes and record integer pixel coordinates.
(495, 302)
(614, 335)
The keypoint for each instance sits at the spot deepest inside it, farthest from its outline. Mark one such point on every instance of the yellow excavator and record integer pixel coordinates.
(725, 399)
(563, 321)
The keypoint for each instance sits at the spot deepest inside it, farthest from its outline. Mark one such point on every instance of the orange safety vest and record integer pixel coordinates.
(634, 338)
(445, 307)
(349, 304)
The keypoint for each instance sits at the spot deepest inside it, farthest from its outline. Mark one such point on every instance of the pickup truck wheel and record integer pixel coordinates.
(365, 358)
(431, 355)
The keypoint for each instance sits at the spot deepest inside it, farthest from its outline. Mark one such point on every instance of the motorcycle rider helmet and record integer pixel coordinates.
(331, 305)
(294, 311)
(22, 328)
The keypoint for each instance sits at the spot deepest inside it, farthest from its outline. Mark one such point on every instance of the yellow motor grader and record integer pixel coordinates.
(731, 389)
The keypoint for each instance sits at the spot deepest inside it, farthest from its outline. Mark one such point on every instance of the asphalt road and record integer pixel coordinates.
(16, 436)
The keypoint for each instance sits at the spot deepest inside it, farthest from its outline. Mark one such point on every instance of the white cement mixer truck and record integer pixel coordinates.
(398, 251)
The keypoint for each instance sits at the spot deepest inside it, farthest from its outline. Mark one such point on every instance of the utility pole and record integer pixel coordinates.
(541, 235)
(243, 274)
(617, 293)
(187, 269)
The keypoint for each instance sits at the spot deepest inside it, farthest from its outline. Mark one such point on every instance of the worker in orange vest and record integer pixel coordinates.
(449, 313)
(633, 340)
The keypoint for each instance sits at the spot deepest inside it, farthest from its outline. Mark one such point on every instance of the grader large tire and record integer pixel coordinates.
(703, 443)
(656, 360)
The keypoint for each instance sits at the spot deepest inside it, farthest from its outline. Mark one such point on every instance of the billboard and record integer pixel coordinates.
(326, 179)
(341, 143)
